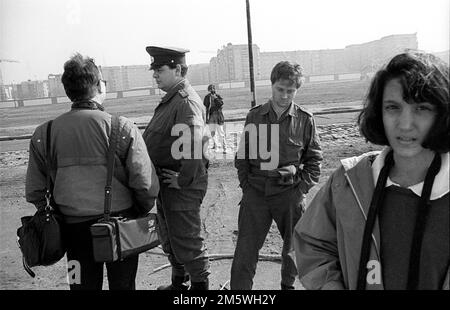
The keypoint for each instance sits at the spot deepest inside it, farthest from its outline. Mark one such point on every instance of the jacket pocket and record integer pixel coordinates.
(294, 148)
(295, 142)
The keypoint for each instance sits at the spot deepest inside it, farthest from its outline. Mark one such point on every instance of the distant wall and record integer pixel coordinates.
(231, 85)
(156, 91)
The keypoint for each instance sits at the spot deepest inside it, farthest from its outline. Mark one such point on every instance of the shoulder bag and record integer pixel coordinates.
(39, 238)
(116, 238)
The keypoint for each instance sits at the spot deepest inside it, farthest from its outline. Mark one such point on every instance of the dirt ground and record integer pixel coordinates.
(219, 214)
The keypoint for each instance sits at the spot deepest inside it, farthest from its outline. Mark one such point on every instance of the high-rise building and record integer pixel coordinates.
(213, 70)
(198, 74)
(372, 55)
(114, 77)
(2, 88)
(137, 76)
(30, 90)
(127, 77)
(55, 86)
(232, 63)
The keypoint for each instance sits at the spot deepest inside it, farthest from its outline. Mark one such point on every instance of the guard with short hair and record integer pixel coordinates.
(175, 138)
(276, 194)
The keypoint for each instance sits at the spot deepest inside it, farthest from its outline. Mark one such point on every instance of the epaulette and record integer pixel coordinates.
(305, 111)
(183, 93)
(255, 107)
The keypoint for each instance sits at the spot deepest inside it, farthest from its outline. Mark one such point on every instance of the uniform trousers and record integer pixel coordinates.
(180, 232)
(255, 218)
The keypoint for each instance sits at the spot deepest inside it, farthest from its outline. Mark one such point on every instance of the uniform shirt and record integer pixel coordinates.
(298, 147)
(79, 146)
(180, 105)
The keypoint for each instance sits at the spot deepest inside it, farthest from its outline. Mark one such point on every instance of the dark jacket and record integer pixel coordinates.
(298, 146)
(181, 107)
(214, 104)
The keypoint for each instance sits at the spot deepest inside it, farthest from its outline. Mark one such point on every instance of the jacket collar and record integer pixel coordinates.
(172, 91)
(441, 181)
(351, 162)
(87, 104)
(267, 106)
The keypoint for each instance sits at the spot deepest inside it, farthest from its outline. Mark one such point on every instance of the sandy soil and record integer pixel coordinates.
(219, 213)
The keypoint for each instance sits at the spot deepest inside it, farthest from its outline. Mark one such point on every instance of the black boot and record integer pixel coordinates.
(176, 285)
(200, 286)
(287, 287)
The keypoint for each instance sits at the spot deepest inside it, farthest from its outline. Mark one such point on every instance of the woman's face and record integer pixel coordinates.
(406, 124)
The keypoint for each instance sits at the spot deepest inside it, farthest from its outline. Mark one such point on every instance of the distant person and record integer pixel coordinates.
(278, 192)
(214, 117)
(183, 169)
(79, 147)
(382, 219)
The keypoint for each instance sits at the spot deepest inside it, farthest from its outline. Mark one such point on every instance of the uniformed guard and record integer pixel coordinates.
(274, 187)
(175, 138)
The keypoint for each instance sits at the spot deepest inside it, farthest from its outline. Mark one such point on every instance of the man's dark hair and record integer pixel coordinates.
(80, 78)
(424, 78)
(286, 70)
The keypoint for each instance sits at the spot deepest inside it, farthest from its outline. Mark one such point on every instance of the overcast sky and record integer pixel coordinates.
(42, 34)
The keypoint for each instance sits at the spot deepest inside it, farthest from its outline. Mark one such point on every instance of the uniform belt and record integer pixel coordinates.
(265, 173)
(159, 169)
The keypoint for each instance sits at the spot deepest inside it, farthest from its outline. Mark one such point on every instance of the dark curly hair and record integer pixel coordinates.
(424, 78)
(80, 78)
(286, 70)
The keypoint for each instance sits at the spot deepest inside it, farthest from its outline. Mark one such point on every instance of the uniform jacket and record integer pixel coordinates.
(79, 145)
(328, 238)
(180, 105)
(300, 154)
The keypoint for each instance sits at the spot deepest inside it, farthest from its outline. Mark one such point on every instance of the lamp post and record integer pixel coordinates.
(250, 54)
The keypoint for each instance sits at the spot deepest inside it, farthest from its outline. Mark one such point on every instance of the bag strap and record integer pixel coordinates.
(49, 184)
(48, 190)
(421, 219)
(110, 165)
(377, 201)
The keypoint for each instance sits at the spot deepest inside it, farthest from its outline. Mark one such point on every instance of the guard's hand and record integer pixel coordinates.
(171, 178)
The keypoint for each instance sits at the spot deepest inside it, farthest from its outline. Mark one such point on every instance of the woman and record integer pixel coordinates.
(382, 219)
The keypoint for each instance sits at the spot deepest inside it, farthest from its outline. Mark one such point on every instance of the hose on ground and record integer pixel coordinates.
(213, 257)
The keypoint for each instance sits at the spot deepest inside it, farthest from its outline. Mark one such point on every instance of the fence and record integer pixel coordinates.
(231, 120)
